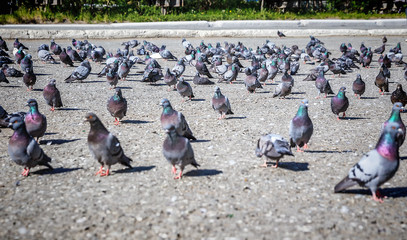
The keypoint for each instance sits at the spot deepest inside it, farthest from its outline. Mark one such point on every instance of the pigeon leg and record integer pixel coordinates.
(337, 117)
(174, 170)
(105, 173)
(275, 166)
(305, 146)
(52, 108)
(299, 149)
(100, 171)
(25, 172)
(179, 175)
(377, 197)
(264, 164)
(343, 115)
(116, 121)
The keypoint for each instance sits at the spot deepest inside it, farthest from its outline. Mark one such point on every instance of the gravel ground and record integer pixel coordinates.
(230, 196)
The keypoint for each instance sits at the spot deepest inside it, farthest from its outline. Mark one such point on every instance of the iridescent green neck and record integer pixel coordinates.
(168, 109)
(341, 94)
(395, 116)
(302, 111)
(33, 109)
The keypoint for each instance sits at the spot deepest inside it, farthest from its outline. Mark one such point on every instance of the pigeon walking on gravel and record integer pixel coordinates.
(282, 90)
(80, 73)
(73, 54)
(117, 106)
(171, 118)
(55, 48)
(3, 77)
(3, 44)
(382, 82)
(322, 84)
(52, 95)
(184, 89)
(112, 78)
(152, 74)
(35, 122)
(167, 55)
(301, 127)
(202, 68)
(273, 147)
(65, 58)
(104, 146)
(170, 78)
(17, 44)
(29, 79)
(396, 118)
(377, 166)
(124, 70)
(358, 86)
(26, 63)
(178, 151)
(280, 34)
(251, 82)
(23, 149)
(399, 95)
(221, 104)
(340, 103)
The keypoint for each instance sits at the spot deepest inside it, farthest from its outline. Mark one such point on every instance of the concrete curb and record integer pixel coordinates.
(294, 28)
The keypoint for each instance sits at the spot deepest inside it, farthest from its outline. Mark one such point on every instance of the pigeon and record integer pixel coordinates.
(35, 122)
(29, 79)
(198, 80)
(11, 72)
(117, 106)
(384, 39)
(19, 55)
(80, 73)
(45, 56)
(3, 44)
(152, 74)
(167, 55)
(184, 89)
(112, 77)
(186, 44)
(52, 95)
(301, 127)
(380, 50)
(382, 82)
(3, 117)
(132, 43)
(282, 90)
(179, 68)
(26, 63)
(280, 34)
(340, 103)
(73, 54)
(3, 77)
(55, 48)
(322, 84)
(124, 70)
(399, 95)
(171, 118)
(358, 86)
(287, 78)
(65, 58)
(273, 147)
(4, 53)
(17, 44)
(377, 166)
(396, 118)
(170, 78)
(262, 73)
(251, 82)
(221, 104)
(104, 146)
(178, 151)
(201, 68)
(23, 149)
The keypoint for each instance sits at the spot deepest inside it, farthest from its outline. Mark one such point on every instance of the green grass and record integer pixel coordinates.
(152, 14)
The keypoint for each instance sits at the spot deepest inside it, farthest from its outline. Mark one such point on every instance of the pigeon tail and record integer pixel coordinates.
(195, 164)
(126, 161)
(344, 184)
(45, 161)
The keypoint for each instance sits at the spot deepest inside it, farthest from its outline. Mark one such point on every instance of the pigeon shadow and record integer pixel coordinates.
(403, 158)
(59, 141)
(298, 93)
(235, 118)
(125, 87)
(200, 141)
(396, 192)
(42, 74)
(352, 118)
(262, 92)
(368, 97)
(198, 100)
(95, 81)
(11, 86)
(37, 90)
(47, 171)
(135, 169)
(135, 121)
(294, 166)
(202, 172)
(50, 133)
(327, 151)
(71, 109)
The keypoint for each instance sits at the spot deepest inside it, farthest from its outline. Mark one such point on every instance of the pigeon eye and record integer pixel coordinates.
(15, 121)
(394, 128)
(90, 117)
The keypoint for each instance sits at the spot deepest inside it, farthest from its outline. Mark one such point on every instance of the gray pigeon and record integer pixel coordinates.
(184, 89)
(3, 77)
(23, 149)
(220, 103)
(251, 82)
(301, 127)
(377, 166)
(178, 151)
(170, 78)
(3, 117)
(152, 74)
(340, 103)
(273, 147)
(52, 95)
(179, 68)
(396, 118)
(322, 84)
(358, 86)
(80, 73)
(282, 90)
(104, 146)
(35, 122)
(124, 70)
(165, 54)
(198, 80)
(171, 118)
(29, 79)
(112, 77)
(45, 56)
(10, 71)
(117, 106)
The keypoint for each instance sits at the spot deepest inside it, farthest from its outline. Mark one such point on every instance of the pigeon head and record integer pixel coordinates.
(304, 103)
(52, 82)
(118, 92)
(342, 89)
(398, 107)
(91, 118)
(32, 103)
(217, 89)
(181, 79)
(16, 122)
(69, 48)
(399, 87)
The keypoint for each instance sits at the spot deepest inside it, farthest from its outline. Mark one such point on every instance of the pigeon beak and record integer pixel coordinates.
(10, 125)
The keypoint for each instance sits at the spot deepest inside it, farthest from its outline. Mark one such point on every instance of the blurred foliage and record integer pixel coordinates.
(106, 11)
